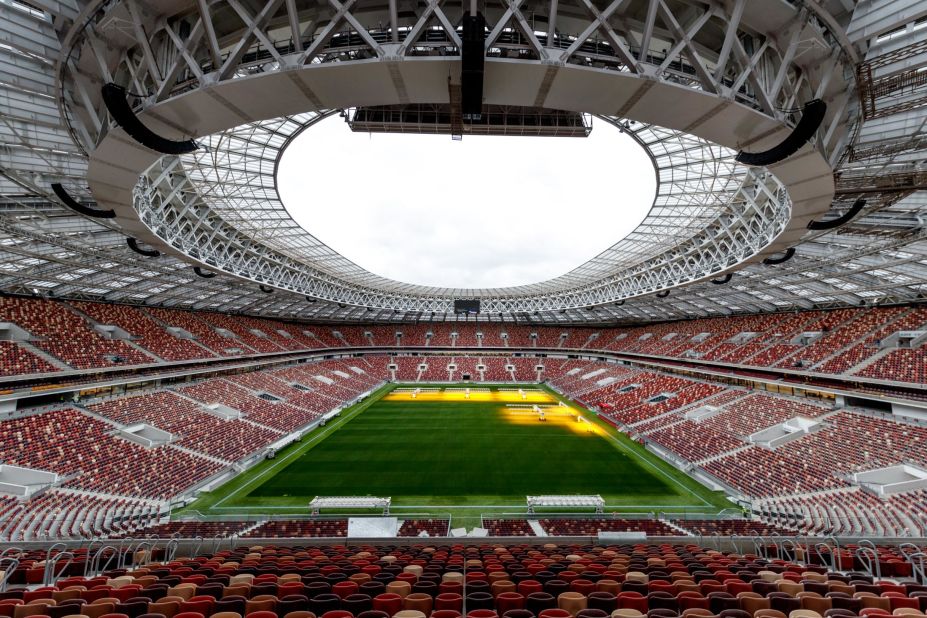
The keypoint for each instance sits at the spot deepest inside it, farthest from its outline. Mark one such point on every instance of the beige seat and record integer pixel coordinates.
(95, 610)
(868, 599)
(608, 585)
(261, 603)
(166, 608)
(68, 593)
(185, 591)
(573, 602)
(238, 590)
(500, 586)
(418, 601)
(752, 605)
(907, 611)
(804, 613)
(243, 578)
(402, 588)
(415, 569)
(769, 613)
(453, 576)
(119, 582)
(409, 613)
(626, 612)
(636, 576)
(696, 612)
(789, 587)
(226, 615)
(31, 609)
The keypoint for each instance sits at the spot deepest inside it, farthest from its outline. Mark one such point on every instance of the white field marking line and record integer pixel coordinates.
(626, 450)
(439, 507)
(299, 451)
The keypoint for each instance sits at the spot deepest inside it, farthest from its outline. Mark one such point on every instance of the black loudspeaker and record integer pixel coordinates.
(844, 218)
(723, 279)
(663, 294)
(811, 117)
(472, 56)
(114, 97)
(133, 245)
(265, 289)
(203, 273)
(73, 204)
(772, 261)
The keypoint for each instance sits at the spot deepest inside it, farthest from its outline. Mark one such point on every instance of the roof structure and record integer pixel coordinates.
(698, 81)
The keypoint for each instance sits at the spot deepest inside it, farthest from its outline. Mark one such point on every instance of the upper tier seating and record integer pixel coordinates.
(151, 335)
(71, 443)
(849, 340)
(67, 336)
(204, 333)
(466, 334)
(413, 334)
(244, 327)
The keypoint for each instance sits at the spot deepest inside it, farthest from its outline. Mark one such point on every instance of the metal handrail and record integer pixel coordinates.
(95, 564)
(141, 546)
(51, 564)
(869, 558)
(121, 563)
(89, 557)
(759, 545)
(7, 572)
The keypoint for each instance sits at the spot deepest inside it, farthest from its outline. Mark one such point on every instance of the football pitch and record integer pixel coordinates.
(443, 448)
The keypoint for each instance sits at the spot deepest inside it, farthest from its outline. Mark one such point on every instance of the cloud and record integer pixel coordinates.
(481, 212)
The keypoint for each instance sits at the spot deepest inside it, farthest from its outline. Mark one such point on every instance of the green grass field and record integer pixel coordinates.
(440, 453)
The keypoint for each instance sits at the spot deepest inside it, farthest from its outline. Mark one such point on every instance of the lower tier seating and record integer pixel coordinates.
(80, 448)
(479, 580)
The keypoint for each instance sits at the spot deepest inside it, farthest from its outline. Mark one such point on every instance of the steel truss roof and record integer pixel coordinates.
(45, 248)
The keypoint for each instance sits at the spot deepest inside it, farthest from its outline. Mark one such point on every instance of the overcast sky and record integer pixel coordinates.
(481, 212)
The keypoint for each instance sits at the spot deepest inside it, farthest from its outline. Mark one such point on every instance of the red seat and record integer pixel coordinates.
(632, 600)
(449, 601)
(388, 602)
(345, 588)
(509, 600)
(527, 586)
